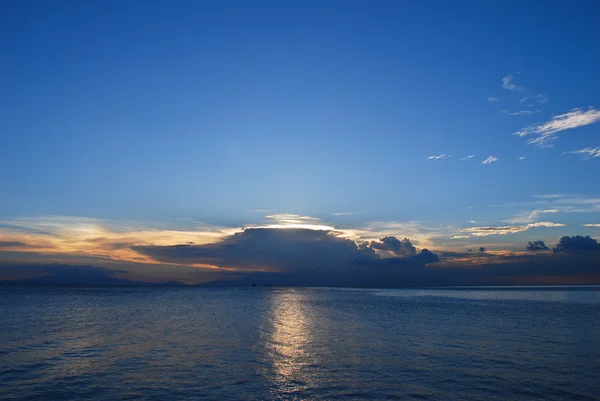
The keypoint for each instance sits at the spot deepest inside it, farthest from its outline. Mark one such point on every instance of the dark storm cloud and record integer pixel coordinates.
(577, 244)
(290, 250)
(395, 246)
(455, 254)
(426, 256)
(536, 246)
(263, 249)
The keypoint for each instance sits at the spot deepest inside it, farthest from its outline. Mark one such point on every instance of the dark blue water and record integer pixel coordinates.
(266, 343)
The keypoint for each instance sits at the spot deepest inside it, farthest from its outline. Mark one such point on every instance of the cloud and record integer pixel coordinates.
(553, 196)
(318, 257)
(99, 238)
(523, 112)
(568, 203)
(467, 157)
(521, 158)
(536, 246)
(492, 99)
(529, 217)
(576, 244)
(587, 153)
(591, 225)
(85, 240)
(461, 236)
(503, 230)
(343, 214)
(420, 235)
(545, 133)
(545, 224)
(507, 84)
(426, 256)
(289, 220)
(489, 160)
(394, 246)
(538, 98)
(439, 157)
(297, 251)
(262, 249)
(13, 244)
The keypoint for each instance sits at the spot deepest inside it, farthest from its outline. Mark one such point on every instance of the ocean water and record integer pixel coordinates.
(61, 343)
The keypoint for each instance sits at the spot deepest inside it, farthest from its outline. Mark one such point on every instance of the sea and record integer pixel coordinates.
(269, 343)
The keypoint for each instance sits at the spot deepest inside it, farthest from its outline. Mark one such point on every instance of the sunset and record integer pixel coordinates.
(354, 154)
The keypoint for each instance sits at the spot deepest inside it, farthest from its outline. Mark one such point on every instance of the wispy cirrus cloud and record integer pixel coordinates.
(586, 153)
(554, 196)
(467, 157)
(504, 230)
(591, 225)
(507, 84)
(556, 203)
(531, 216)
(527, 98)
(538, 98)
(439, 157)
(492, 99)
(521, 158)
(491, 159)
(546, 133)
(524, 112)
(460, 236)
(343, 213)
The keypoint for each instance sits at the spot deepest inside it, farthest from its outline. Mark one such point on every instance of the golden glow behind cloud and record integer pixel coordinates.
(98, 238)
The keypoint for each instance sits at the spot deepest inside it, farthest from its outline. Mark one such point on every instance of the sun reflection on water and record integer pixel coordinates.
(290, 341)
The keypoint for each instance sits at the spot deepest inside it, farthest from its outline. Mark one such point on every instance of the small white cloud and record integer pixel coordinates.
(523, 112)
(586, 153)
(507, 83)
(439, 157)
(343, 213)
(592, 225)
(545, 133)
(489, 160)
(492, 99)
(459, 236)
(521, 158)
(539, 98)
(545, 224)
(467, 157)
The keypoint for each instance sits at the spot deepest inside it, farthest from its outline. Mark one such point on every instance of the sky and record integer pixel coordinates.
(219, 141)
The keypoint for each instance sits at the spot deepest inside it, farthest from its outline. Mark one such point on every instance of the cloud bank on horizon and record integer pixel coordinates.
(287, 247)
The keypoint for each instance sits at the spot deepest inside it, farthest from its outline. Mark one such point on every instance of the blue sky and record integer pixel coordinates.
(179, 115)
